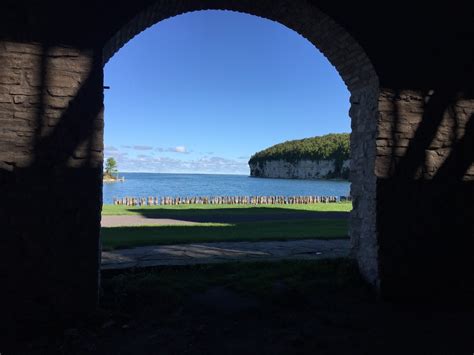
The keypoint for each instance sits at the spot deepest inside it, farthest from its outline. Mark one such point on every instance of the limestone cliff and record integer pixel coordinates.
(324, 157)
(300, 169)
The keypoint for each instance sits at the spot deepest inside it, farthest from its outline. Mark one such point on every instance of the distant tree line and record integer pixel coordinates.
(334, 146)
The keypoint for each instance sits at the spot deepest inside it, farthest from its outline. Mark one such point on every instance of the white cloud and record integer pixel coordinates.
(142, 147)
(151, 162)
(180, 149)
(147, 163)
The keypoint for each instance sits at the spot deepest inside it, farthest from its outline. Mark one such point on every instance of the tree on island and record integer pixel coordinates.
(110, 167)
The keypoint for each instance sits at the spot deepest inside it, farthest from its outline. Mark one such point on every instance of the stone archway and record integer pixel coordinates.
(355, 69)
(412, 141)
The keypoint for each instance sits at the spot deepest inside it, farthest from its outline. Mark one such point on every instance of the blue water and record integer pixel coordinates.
(188, 185)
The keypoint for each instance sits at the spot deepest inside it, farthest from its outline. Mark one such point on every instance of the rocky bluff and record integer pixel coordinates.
(325, 157)
(302, 169)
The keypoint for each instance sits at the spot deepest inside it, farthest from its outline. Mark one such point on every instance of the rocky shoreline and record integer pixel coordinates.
(110, 178)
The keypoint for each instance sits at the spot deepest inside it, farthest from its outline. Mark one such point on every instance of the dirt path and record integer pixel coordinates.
(133, 221)
(207, 253)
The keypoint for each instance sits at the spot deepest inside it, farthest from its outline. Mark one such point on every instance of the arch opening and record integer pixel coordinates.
(355, 69)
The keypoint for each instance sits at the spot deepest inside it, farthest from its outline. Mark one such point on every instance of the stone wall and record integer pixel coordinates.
(417, 132)
(301, 169)
(362, 231)
(425, 193)
(51, 145)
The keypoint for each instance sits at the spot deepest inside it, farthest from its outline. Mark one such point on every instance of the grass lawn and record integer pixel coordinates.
(128, 237)
(186, 210)
(258, 279)
(288, 307)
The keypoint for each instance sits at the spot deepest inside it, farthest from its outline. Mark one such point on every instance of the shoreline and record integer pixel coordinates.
(112, 179)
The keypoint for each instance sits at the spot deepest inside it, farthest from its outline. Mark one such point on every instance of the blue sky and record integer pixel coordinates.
(202, 92)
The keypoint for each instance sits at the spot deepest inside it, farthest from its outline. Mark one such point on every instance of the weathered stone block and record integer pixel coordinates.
(56, 79)
(392, 151)
(24, 48)
(4, 89)
(79, 65)
(19, 99)
(62, 92)
(25, 90)
(6, 98)
(57, 102)
(10, 77)
(30, 114)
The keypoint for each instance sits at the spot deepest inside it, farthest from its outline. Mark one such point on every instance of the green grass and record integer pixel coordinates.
(168, 287)
(187, 210)
(127, 237)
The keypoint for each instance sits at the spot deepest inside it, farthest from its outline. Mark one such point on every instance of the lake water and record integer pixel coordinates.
(184, 185)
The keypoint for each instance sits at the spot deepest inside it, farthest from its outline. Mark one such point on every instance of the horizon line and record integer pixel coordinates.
(175, 173)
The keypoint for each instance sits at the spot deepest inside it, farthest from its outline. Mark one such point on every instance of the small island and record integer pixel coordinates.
(324, 157)
(111, 171)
